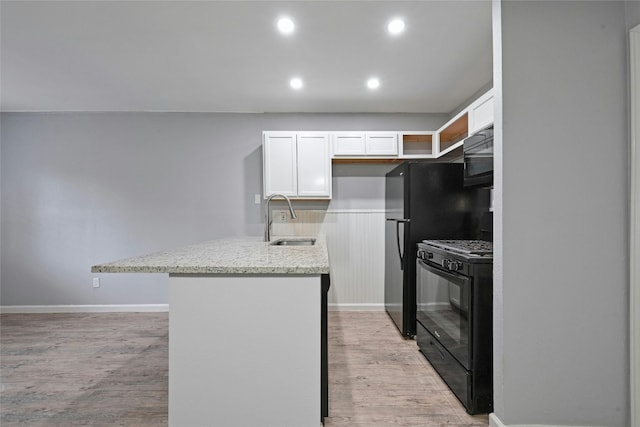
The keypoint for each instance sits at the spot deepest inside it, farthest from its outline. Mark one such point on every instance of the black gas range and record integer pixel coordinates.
(454, 280)
(456, 255)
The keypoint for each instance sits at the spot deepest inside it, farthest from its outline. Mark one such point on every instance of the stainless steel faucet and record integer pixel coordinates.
(267, 214)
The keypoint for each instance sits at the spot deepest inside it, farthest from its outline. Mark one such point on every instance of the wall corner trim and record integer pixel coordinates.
(634, 223)
(494, 421)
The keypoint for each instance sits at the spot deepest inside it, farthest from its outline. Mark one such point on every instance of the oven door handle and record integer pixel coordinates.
(451, 276)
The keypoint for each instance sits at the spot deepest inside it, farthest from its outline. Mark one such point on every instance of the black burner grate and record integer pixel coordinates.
(471, 247)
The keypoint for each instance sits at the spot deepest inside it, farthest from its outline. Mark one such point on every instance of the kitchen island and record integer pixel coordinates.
(247, 331)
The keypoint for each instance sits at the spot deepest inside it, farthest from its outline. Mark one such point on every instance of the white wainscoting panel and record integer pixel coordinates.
(355, 240)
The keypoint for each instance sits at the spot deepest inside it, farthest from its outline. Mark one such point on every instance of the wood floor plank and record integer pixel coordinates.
(110, 369)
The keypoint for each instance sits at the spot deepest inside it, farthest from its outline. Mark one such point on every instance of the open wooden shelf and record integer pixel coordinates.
(455, 132)
(417, 144)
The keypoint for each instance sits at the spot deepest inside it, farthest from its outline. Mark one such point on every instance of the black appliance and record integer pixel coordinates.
(423, 201)
(454, 316)
(478, 158)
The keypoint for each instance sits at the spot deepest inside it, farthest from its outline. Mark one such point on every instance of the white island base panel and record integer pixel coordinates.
(244, 350)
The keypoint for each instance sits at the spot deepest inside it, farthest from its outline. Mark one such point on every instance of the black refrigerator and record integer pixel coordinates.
(423, 201)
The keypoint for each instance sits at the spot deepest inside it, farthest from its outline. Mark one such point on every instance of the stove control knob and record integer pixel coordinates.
(452, 265)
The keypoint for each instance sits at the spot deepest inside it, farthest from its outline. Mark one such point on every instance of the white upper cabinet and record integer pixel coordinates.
(297, 164)
(314, 165)
(382, 143)
(280, 158)
(481, 112)
(365, 144)
(348, 143)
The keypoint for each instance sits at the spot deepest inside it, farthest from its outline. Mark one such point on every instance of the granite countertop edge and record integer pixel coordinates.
(240, 255)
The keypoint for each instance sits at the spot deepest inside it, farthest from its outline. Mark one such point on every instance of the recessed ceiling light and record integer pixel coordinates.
(395, 26)
(373, 83)
(286, 25)
(296, 83)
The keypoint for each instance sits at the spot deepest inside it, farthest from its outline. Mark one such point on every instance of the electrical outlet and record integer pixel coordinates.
(96, 282)
(256, 199)
(282, 216)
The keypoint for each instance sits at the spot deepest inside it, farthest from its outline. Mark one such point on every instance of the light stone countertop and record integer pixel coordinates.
(241, 255)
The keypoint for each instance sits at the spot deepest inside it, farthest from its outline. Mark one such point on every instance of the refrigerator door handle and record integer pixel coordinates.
(400, 254)
(398, 242)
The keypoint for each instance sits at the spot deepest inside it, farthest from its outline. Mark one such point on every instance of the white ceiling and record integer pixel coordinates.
(227, 56)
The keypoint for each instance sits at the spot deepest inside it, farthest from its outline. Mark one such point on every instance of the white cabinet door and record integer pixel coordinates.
(314, 165)
(481, 113)
(297, 164)
(348, 144)
(382, 143)
(280, 163)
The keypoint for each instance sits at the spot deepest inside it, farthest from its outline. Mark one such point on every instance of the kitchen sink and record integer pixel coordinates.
(293, 242)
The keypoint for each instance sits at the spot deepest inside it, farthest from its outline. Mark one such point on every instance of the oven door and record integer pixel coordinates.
(443, 308)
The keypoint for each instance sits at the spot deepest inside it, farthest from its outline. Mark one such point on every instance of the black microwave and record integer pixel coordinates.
(478, 159)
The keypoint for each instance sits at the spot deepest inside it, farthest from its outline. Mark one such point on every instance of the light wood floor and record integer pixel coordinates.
(377, 378)
(110, 369)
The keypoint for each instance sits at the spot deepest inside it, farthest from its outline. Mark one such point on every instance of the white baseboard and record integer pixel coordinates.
(356, 307)
(145, 308)
(494, 421)
(107, 308)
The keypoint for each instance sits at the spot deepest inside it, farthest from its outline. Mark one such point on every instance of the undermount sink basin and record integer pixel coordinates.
(293, 242)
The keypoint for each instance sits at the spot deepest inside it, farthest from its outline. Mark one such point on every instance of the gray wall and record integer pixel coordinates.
(85, 188)
(561, 330)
